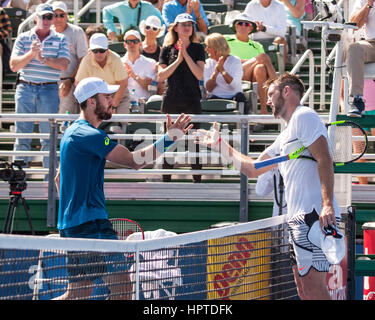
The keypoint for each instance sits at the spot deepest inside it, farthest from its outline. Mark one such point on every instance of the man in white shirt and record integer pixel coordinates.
(141, 70)
(308, 183)
(359, 53)
(270, 18)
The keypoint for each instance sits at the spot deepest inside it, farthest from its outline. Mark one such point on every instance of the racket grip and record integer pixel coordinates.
(268, 162)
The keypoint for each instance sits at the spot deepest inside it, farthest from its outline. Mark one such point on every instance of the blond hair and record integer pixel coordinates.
(217, 42)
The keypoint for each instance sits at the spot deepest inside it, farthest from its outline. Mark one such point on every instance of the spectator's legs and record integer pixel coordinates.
(358, 54)
(280, 40)
(47, 101)
(25, 99)
(69, 103)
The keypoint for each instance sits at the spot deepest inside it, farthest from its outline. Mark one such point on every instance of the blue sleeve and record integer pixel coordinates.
(168, 14)
(152, 11)
(97, 143)
(108, 14)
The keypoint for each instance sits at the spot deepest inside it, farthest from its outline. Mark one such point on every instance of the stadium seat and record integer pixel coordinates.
(117, 47)
(218, 106)
(275, 52)
(16, 16)
(215, 7)
(153, 106)
(220, 28)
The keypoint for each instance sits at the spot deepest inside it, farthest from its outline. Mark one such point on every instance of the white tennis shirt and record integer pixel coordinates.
(301, 176)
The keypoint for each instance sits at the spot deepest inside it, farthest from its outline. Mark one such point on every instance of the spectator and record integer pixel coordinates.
(32, 4)
(39, 55)
(5, 32)
(19, 4)
(158, 4)
(182, 63)
(105, 64)
(309, 10)
(256, 64)
(78, 49)
(141, 70)
(152, 29)
(129, 13)
(91, 29)
(359, 53)
(173, 8)
(270, 18)
(295, 11)
(223, 72)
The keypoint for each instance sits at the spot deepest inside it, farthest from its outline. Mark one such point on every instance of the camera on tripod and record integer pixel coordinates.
(14, 174)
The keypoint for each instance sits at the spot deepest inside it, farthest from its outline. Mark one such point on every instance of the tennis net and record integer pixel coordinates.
(244, 261)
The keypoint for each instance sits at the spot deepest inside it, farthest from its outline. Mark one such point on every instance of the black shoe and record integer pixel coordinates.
(357, 107)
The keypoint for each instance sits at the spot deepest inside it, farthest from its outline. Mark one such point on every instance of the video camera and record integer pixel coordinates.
(14, 174)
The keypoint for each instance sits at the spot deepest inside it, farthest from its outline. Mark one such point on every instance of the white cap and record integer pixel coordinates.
(333, 247)
(43, 8)
(152, 21)
(98, 41)
(59, 5)
(134, 33)
(183, 17)
(89, 87)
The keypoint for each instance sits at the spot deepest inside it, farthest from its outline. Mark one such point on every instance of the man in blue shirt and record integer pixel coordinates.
(129, 14)
(173, 8)
(84, 150)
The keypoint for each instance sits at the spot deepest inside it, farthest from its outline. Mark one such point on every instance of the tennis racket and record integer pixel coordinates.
(343, 152)
(125, 227)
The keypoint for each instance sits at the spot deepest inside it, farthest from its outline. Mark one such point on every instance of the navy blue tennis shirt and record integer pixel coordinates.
(83, 149)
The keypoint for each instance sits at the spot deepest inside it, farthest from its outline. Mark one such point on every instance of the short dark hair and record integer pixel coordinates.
(83, 104)
(287, 79)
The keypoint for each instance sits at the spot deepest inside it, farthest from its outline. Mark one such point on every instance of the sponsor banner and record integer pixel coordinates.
(238, 267)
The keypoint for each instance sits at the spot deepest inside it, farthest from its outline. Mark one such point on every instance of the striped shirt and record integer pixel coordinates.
(54, 46)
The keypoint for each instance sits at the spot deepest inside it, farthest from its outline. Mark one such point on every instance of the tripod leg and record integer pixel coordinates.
(8, 226)
(26, 207)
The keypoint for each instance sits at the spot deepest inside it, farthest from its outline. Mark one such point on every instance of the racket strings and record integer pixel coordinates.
(350, 143)
(124, 228)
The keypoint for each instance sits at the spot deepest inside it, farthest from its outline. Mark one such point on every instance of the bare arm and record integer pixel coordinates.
(319, 151)
(120, 92)
(241, 162)
(360, 17)
(297, 10)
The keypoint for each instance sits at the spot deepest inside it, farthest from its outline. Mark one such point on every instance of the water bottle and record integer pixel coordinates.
(153, 87)
(134, 105)
(203, 90)
(65, 124)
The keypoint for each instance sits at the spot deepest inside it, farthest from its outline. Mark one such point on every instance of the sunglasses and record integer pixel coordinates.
(47, 17)
(153, 28)
(134, 41)
(246, 24)
(98, 50)
(59, 15)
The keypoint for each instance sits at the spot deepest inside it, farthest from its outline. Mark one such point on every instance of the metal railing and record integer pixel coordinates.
(55, 119)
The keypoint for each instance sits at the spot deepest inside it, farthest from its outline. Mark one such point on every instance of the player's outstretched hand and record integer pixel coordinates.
(210, 138)
(176, 130)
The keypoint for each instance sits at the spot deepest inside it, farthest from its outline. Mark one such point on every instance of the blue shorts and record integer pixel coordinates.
(82, 266)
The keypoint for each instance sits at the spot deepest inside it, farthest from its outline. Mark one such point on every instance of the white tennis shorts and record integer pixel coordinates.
(303, 252)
